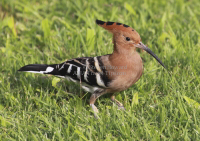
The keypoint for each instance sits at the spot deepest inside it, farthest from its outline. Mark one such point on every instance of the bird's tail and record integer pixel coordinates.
(40, 68)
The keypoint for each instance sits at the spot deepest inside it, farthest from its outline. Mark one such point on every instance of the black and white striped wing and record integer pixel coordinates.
(89, 70)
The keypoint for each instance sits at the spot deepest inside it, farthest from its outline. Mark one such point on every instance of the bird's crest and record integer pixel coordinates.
(114, 27)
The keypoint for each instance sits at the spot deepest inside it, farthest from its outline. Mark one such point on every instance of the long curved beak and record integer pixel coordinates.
(142, 46)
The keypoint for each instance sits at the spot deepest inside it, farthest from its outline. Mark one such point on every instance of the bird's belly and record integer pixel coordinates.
(126, 79)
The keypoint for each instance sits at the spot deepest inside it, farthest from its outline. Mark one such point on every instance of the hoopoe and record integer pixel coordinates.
(110, 73)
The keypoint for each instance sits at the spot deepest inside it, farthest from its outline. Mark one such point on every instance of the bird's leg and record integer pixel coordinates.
(93, 98)
(119, 104)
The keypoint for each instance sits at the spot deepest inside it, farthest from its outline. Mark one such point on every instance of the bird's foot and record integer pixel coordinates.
(95, 110)
(119, 104)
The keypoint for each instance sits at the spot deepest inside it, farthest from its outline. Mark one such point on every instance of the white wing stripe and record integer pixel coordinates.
(86, 88)
(99, 80)
(71, 79)
(62, 67)
(69, 69)
(86, 71)
(79, 73)
(48, 69)
(96, 63)
(35, 71)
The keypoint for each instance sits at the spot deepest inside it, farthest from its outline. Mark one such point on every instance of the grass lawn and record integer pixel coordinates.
(160, 106)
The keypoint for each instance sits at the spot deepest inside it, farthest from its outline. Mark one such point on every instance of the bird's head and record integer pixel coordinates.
(125, 38)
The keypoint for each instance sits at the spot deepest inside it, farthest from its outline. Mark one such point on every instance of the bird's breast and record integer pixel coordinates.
(126, 73)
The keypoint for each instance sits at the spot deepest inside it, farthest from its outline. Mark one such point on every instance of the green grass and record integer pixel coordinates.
(160, 106)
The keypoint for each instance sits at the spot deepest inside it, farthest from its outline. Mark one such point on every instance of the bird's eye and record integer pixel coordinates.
(127, 39)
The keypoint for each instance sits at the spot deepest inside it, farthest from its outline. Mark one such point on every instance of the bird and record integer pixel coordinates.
(107, 74)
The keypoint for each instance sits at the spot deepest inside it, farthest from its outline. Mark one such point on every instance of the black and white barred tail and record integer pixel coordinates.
(40, 68)
(88, 71)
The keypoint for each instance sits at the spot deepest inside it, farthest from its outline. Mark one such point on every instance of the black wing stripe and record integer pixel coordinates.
(91, 74)
(91, 65)
(63, 69)
(82, 75)
(73, 72)
(104, 76)
(91, 77)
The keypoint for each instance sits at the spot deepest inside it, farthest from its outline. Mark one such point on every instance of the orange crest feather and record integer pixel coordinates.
(113, 27)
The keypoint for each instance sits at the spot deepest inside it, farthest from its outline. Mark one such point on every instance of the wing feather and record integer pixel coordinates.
(86, 69)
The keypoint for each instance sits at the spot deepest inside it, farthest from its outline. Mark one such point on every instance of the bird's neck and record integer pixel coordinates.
(122, 53)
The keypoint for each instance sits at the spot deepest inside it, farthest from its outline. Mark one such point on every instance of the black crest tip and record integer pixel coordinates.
(99, 22)
(119, 23)
(109, 23)
(125, 25)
